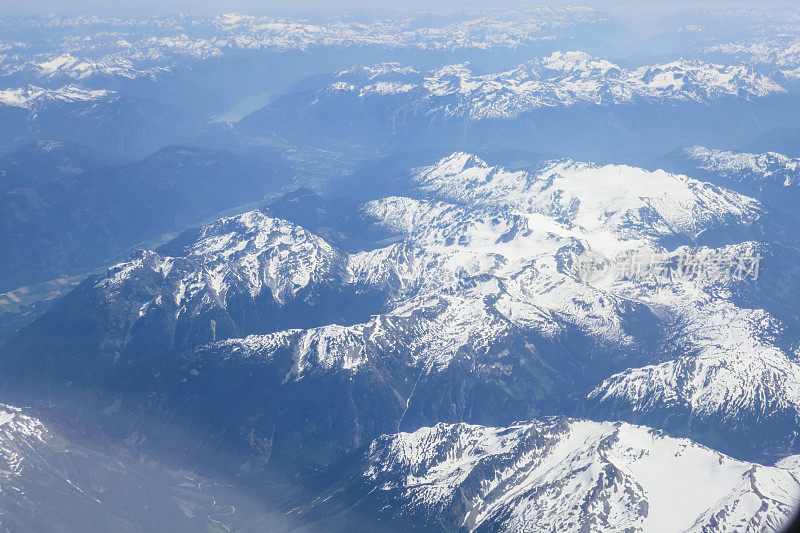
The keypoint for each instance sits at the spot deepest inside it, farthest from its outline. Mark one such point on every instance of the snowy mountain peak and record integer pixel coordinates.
(593, 200)
(576, 62)
(563, 474)
(252, 251)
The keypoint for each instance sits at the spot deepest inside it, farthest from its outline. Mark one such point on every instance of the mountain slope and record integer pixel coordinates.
(562, 79)
(481, 296)
(51, 483)
(103, 120)
(772, 178)
(550, 104)
(44, 160)
(67, 222)
(556, 474)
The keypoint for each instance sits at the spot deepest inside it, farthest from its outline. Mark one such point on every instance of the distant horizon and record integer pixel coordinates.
(645, 17)
(331, 7)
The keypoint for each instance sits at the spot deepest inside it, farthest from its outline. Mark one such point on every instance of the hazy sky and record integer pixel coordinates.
(622, 9)
(22, 7)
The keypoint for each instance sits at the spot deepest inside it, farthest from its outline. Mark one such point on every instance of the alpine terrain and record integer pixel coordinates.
(500, 268)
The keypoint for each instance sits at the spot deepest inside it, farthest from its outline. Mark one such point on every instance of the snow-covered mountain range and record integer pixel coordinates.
(485, 270)
(446, 67)
(480, 296)
(561, 79)
(564, 475)
(780, 54)
(87, 46)
(553, 103)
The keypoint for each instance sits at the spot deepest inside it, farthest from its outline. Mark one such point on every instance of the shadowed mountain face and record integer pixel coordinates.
(37, 163)
(131, 125)
(76, 209)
